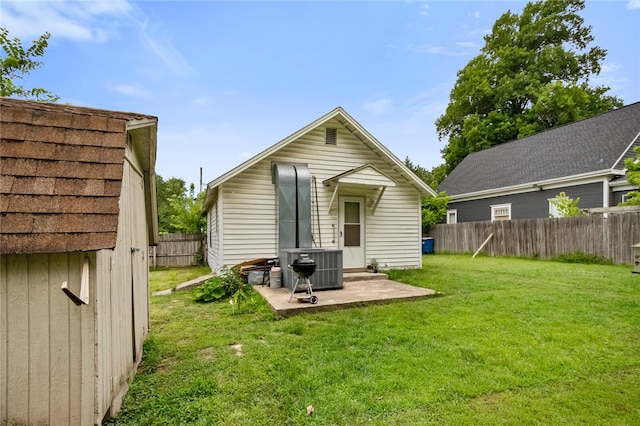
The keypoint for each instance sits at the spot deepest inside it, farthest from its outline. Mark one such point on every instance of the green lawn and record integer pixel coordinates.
(511, 341)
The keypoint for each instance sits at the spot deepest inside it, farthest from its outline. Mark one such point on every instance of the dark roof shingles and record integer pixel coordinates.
(589, 145)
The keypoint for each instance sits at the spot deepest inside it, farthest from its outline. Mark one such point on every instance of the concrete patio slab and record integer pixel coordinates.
(354, 293)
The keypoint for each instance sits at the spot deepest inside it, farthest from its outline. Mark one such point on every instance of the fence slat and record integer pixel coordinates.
(610, 237)
(178, 250)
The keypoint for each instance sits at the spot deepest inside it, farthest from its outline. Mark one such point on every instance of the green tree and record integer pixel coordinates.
(424, 174)
(633, 177)
(172, 188)
(532, 74)
(567, 206)
(187, 213)
(434, 209)
(16, 62)
(179, 210)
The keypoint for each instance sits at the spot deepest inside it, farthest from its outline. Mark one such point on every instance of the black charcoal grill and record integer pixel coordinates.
(304, 268)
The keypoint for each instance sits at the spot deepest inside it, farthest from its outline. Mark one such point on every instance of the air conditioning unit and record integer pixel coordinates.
(328, 274)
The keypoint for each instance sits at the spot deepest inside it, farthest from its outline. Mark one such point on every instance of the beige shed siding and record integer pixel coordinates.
(49, 360)
(250, 217)
(67, 363)
(129, 289)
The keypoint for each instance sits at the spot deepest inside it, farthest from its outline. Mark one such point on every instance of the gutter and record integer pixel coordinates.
(581, 179)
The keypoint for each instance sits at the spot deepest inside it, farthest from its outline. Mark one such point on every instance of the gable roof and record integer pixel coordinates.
(595, 146)
(350, 124)
(61, 174)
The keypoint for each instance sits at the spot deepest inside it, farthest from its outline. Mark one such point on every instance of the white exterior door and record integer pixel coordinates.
(352, 233)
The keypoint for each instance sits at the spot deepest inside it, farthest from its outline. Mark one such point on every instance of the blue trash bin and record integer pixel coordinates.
(427, 245)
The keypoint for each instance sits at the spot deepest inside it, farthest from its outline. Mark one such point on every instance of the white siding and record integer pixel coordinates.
(214, 254)
(393, 232)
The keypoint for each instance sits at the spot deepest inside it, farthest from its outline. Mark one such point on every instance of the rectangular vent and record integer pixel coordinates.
(331, 136)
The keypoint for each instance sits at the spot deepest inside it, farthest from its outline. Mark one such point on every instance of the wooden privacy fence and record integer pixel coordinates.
(177, 250)
(610, 237)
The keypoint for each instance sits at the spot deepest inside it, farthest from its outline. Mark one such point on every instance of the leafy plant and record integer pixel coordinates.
(229, 284)
(434, 209)
(567, 206)
(179, 208)
(633, 176)
(16, 62)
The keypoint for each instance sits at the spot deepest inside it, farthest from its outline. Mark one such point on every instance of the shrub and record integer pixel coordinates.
(579, 257)
(228, 284)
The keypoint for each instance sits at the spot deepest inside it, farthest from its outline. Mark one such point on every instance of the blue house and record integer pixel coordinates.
(519, 179)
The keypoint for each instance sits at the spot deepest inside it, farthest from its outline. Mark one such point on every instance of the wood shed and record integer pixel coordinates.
(77, 213)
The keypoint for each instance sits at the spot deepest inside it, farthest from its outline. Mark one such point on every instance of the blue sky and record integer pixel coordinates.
(229, 79)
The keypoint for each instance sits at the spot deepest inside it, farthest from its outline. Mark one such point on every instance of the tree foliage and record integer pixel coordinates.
(532, 74)
(633, 177)
(179, 210)
(434, 209)
(567, 206)
(16, 62)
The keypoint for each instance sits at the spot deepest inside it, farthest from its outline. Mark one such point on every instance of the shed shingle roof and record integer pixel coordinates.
(590, 145)
(60, 176)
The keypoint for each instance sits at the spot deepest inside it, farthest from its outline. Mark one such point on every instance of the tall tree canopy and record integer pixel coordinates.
(532, 74)
(179, 209)
(16, 62)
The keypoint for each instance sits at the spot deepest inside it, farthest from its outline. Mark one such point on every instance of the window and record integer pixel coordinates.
(553, 209)
(500, 212)
(625, 197)
(452, 216)
(331, 136)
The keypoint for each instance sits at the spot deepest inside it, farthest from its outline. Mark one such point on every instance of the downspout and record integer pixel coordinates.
(605, 195)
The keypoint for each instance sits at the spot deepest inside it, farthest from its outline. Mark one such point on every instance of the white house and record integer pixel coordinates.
(352, 195)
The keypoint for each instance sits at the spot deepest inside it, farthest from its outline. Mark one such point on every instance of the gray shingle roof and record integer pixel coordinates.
(589, 145)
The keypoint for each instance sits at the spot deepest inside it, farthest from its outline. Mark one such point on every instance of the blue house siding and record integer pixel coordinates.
(617, 197)
(590, 150)
(527, 205)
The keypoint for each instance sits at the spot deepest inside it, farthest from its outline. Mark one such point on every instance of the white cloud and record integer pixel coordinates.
(424, 10)
(133, 90)
(633, 4)
(200, 101)
(79, 21)
(475, 14)
(163, 48)
(87, 21)
(465, 44)
(379, 106)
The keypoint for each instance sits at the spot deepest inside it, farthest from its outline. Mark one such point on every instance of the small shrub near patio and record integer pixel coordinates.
(229, 284)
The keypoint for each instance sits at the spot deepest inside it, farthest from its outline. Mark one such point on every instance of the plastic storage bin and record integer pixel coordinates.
(427, 245)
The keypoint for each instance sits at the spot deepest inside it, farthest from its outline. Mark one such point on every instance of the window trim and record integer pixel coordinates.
(495, 207)
(553, 210)
(453, 212)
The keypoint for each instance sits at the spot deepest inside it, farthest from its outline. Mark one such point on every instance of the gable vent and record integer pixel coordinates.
(331, 136)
